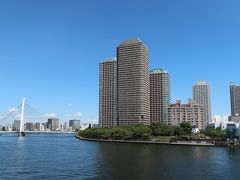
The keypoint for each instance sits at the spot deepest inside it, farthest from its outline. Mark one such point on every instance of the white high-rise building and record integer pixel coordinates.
(202, 95)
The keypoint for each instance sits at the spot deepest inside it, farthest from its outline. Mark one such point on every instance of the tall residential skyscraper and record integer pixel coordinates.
(235, 99)
(201, 95)
(107, 93)
(159, 95)
(133, 97)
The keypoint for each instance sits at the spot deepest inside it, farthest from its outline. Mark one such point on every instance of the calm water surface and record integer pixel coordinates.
(65, 157)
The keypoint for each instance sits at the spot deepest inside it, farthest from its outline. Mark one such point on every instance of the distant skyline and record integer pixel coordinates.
(50, 50)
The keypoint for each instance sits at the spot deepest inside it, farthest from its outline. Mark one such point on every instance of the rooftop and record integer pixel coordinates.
(131, 41)
(201, 82)
(109, 59)
(160, 70)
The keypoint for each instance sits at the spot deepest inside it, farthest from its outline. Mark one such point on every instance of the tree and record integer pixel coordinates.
(186, 128)
(141, 132)
(121, 133)
(177, 130)
(105, 133)
(160, 129)
(214, 133)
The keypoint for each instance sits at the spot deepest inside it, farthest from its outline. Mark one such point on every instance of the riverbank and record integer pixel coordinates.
(182, 143)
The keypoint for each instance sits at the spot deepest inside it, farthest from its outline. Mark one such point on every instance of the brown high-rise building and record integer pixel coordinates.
(133, 97)
(107, 93)
(159, 95)
(235, 99)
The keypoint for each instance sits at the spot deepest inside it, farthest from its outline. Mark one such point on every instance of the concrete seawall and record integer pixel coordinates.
(182, 143)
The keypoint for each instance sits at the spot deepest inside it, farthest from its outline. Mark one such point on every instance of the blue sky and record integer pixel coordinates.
(50, 49)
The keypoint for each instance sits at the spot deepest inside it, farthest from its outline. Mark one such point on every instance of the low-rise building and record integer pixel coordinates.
(8, 127)
(235, 118)
(89, 125)
(191, 112)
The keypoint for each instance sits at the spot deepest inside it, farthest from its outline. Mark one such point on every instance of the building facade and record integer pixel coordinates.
(159, 95)
(235, 118)
(108, 93)
(74, 124)
(133, 91)
(191, 112)
(53, 124)
(30, 127)
(235, 99)
(16, 125)
(202, 95)
(38, 126)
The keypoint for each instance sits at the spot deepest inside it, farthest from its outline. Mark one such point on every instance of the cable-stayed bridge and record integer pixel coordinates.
(26, 119)
(31, 115)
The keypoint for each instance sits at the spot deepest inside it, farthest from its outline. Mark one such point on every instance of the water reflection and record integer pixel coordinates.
(166, 162)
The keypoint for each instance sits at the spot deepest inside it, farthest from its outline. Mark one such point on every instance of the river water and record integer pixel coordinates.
(65, 157)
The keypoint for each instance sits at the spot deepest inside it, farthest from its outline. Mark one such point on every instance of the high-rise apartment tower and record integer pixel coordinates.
(159, 95)
(133, 96)
(107, 93)
(202, 95)
(235, 99)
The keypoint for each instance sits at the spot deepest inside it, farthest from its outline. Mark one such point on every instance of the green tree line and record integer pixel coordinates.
(146, 133)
